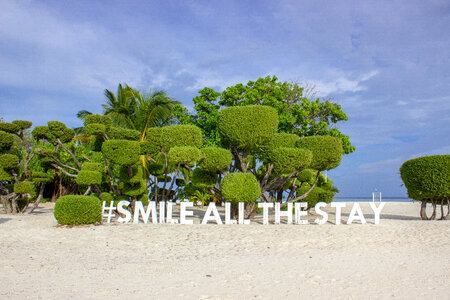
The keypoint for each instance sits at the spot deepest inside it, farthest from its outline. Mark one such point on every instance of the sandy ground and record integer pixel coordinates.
(403, 257)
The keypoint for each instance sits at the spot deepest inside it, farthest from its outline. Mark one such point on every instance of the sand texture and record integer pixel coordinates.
(403, 257)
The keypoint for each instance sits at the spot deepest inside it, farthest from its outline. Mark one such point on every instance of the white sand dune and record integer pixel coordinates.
(403, 257)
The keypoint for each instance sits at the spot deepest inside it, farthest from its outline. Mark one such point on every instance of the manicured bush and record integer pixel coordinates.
(215, 159)
(5, 176)
(135, 189)
(306, 175)
(123, 134)
(24, 187)
(56, 128)
(121, 152)
(97, 119)
(184, 155)
(6, 141)
(43, 176)
(75, 209)
(180, 135)
(203, 178)
(318, 194)
(94, 129)
(90, 166)
(282, 140)
(68, 135)
(248, 127)
(240, 187)
(41, 132)
(8, 127)
(9, 161)
(22, 124)
(288, 160)
(137, 174)
(89, 177)
(427, 177)
(152, 145)
(327, 151)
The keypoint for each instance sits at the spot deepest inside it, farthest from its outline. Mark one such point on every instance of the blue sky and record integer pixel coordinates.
(386, 62)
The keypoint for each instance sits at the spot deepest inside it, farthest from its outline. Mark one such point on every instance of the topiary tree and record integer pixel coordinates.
(427, 179)
(76, 210)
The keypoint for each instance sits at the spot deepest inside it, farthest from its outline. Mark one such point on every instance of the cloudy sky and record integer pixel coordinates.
(386, 62)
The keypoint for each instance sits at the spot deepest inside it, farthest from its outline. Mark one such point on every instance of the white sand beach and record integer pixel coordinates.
(403, 257)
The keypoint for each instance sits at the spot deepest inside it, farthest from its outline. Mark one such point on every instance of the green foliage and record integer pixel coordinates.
(427, 177)
(137, 174)
(95, 129)
(306, 175)
(134, 189)
(282, 140)
(152, 145)
(24, 187)
(123, 134)
(89, 178)
(215, 159)
(240, 187)
(74, 210)
(121, 152)
(5, 176)
(97, 119)
(327, 151)
(9, 161)
(203, 178)
(67, 136)
(10, 128)
(184, 155)
(56, 128)
(43, 176)
(180, 135)
(318, 194)
(41, 132)
(6, 141)
(90, 166)
(22, 124)
(247, 127)
(288, 160)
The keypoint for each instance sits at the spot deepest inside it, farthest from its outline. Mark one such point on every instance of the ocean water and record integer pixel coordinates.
(369, 199)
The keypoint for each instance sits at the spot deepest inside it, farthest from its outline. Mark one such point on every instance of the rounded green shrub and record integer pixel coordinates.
(152, 145)
(89, 177)
(306, 175)
(240, 187)
(288, 160)
(22, 124)
(24, 187)
(203, 178)
(248, 127)
(427, 177)
(6, 141)
(56, 128)
(43, 176)
(8, 127)
(327, 151)
(90, 166)
(184, 155)
(41, 132)
(122, 152)
(97, 119)
(9, 161)
(106, 197)
(135, 189)
(137, 174)
(68, 135)
(317, 195)
(76, 209)
(282, 140)
(5, 176)
(95, 129)
(180, 135)
(215, 159)
(123, 134)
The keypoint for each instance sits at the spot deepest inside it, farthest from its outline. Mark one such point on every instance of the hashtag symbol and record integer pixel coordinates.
(110, 208)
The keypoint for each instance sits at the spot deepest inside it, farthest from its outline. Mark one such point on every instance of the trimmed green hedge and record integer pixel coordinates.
(282, 140)
(215, 159)
(306, 175)
(8, 127)
(327, 151)
(86, 177)
(248, 127)
(90, 166)
(5, 176)
(95, 129)
(203, 178)
(9, 161)
(152, 145)
(24, 187)
(427, 177)
(6, 141)
(288, 160)
(122, 152)
(184, 155)
(41, 132)
(240, 187)
(98, 119)
(76, 209)
(123, 134)
(317, 195)
(180, 135)
(22, 124)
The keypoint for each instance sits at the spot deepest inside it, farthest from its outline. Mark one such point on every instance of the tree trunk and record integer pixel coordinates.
(250, 210)
(433, 215)
(38, 199)
(423, 210)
